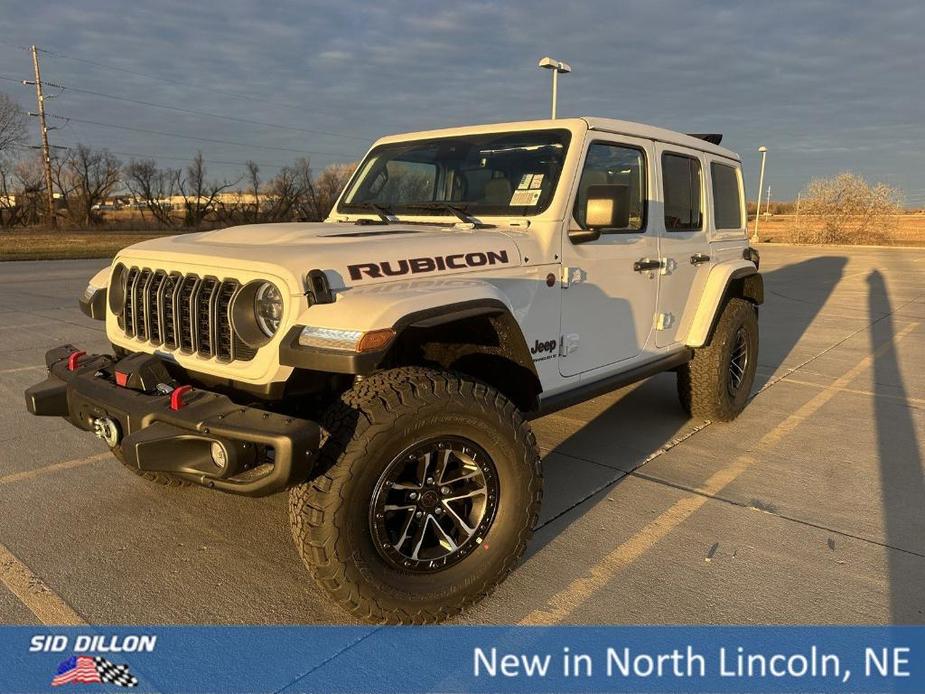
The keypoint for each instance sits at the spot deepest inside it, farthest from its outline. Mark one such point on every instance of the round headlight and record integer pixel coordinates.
(268, 308)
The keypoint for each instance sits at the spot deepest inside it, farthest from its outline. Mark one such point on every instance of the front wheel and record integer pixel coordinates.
(716, 383)
(429, 489)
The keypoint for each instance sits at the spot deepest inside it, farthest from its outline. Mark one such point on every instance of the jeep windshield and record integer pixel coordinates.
(513, 173)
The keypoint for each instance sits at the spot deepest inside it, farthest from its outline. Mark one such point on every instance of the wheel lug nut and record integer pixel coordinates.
(418, 514)
(430, 480)
(413, 495)
(438, 511)
(444, 490)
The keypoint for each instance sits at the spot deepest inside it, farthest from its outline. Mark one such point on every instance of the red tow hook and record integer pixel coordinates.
(72, 360)
(176, 397)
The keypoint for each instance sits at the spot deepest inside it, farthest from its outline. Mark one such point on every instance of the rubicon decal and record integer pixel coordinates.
(440, 263)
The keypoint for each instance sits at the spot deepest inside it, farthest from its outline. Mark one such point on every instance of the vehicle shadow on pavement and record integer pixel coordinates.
(649, 417)
(901, 480)
(782, 330)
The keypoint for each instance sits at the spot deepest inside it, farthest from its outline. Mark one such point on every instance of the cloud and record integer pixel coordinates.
(826, 85)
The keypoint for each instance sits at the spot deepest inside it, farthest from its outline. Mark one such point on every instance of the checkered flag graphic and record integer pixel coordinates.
(110, 673)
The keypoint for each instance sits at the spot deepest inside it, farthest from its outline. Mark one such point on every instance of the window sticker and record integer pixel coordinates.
(525, 182)
(537, 182)
(527, 198)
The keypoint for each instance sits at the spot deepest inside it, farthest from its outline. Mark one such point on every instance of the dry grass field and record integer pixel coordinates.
(48, 245)
(910, 229)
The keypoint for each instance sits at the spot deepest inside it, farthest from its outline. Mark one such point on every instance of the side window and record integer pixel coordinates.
(619, 166)
(681, 183)
(727, 199)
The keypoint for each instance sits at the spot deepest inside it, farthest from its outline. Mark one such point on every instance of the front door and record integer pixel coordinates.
(683, 245)
(607, 306)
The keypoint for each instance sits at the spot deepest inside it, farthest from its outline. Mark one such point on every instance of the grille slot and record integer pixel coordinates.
(183, 312)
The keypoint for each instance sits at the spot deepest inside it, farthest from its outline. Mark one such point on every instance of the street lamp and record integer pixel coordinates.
(556, 66)
(764, 154)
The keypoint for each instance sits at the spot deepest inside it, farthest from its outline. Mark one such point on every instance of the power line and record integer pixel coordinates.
(206, 114)
(167, 80)
(192, 137)
(208, 160)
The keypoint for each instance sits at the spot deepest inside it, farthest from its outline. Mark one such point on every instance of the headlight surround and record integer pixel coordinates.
(268, 308)
(117, 289)
(257, 312)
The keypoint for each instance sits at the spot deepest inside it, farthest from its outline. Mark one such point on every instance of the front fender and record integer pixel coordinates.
(419, 304)
(93, 300)
(723, 277)
(389, 305)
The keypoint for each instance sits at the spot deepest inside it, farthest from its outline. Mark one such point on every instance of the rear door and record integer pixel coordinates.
(607, 307)
(683, 244)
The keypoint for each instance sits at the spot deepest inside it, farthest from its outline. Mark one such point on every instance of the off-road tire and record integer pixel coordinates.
(703, 383)
(372, 423)
(164, 479)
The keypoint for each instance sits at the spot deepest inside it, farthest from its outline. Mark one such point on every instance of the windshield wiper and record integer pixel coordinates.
(459, 212)
(384, 212)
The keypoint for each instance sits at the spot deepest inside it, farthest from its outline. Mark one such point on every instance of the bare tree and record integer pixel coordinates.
(243, 206)
(85, 177)
(287, 192)
(199, 194)
(10, 203)
(29, 179)
(12, 125)
(847, 209)
(152, 189)
(322, 192)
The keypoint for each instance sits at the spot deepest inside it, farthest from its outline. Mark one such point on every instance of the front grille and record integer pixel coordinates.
(182, 312)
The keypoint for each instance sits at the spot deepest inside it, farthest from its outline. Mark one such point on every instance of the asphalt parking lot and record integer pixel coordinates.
(810, 508)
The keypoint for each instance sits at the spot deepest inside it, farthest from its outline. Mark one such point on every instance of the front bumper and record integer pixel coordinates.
(157, 431)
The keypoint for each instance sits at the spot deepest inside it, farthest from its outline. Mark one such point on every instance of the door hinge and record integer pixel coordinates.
(568, 344)
(664, 321)
(669, 265)
(571, 275)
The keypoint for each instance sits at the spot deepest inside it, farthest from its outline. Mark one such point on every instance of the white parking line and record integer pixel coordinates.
(42, 601)
(20, 368)
(48, 469)
(564, 603)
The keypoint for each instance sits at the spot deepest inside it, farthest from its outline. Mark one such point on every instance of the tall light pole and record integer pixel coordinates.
(764, 154)
(556, 66)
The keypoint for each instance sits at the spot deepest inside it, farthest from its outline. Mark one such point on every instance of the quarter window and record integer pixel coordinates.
(624, 167)
(681, 184)
(727, 200)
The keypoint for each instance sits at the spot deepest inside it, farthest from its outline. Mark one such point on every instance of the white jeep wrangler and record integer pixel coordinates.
(383, 365)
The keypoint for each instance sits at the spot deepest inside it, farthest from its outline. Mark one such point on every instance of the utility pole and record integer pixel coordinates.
(46, 150)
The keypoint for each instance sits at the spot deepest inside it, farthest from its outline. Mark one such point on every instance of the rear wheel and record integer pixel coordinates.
(716, 383)
(429, 489)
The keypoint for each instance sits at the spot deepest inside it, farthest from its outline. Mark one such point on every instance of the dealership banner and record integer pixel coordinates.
(461, 659)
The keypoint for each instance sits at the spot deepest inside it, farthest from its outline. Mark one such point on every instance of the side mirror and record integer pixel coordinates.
(606, 207)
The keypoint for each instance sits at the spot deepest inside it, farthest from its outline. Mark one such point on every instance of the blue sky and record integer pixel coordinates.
(826, 85)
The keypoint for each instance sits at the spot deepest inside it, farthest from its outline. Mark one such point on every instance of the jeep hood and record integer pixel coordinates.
(349, 254)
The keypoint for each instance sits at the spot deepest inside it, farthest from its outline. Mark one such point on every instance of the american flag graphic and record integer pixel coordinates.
(86, 669)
